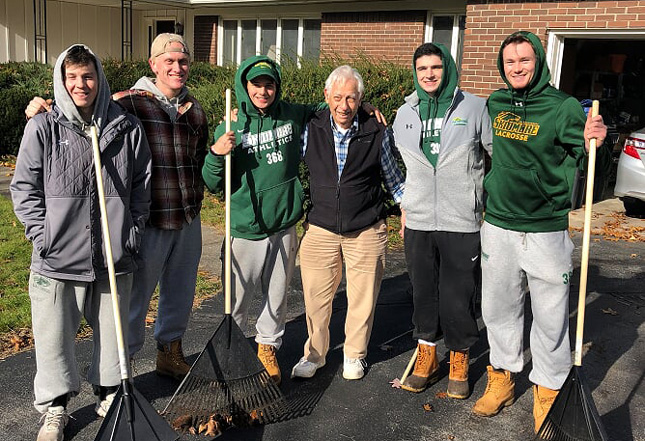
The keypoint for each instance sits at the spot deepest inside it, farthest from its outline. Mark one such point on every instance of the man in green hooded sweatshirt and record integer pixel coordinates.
(540, 136)
(442, 133)
(266, 197)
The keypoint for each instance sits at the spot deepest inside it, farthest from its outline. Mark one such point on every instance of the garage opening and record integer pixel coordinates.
(613, 72)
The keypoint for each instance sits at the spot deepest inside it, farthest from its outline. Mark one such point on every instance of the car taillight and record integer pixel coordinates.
(631, 144)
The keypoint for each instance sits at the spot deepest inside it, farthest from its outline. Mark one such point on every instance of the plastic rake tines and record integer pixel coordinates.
(228, 381)
(245, 401)
(573, 416)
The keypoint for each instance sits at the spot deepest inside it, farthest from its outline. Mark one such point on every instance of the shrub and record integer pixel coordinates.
(19, 82)
(121, 75)
(386, 84)
(12, 118)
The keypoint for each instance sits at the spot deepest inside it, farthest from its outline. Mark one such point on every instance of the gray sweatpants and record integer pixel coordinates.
(264, 265)
(169, 258)
(511, 260)
(56, 310)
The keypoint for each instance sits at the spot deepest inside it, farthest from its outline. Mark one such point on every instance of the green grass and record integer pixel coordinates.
(213, 211)
(15, 257)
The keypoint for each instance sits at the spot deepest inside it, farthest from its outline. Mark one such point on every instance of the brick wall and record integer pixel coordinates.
(205, 38)
(391, 36)
(489, 22)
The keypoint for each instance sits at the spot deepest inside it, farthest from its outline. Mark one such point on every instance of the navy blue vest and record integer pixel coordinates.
(356, 201)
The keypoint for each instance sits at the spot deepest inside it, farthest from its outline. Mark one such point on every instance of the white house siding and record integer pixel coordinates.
(16, 30)
(99, 27)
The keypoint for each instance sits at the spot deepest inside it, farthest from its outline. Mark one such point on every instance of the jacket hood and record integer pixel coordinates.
(65, 102)
(449, 78)
(541, 77)
(148, 84)
(247, 110)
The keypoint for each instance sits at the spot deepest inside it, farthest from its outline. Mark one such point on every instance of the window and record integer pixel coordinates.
(278, 38)
(229, 43)
(289, 46)
(269, 37)
(311, 39)
(449, 31)
(249, 41)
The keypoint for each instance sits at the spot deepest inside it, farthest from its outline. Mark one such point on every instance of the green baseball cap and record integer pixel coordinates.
(262, 68)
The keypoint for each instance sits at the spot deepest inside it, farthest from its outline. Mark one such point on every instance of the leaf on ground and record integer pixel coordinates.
(428, 407)
(150, 320)
(396, 383)
(610, 311)
(586, 347)
(633, 256)
(441, 395)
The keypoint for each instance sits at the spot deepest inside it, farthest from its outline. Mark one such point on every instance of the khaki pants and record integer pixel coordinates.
(321, 259)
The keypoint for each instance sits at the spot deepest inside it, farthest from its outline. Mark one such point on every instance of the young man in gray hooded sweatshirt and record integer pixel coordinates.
(442, 134)
(54, 196)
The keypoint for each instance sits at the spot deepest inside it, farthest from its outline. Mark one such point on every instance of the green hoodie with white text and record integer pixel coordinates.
(266, 193)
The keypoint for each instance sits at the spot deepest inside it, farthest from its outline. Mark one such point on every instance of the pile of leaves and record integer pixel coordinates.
(215, 424)
(617, 229)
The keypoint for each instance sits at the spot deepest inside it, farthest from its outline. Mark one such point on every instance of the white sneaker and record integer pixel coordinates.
(102, 406)
(305, 368)
(54, 422)
(354, 368)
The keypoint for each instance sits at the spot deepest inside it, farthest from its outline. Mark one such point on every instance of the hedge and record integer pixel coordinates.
(386, 84)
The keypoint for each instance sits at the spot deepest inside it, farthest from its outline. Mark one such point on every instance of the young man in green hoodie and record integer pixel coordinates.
(540, 137)
(266, 197)
(442, 133)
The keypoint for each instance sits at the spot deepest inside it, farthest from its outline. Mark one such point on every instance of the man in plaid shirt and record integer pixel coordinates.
(349, 158)
(177, 131)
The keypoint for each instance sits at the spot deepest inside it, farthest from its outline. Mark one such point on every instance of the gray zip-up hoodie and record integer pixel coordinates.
(448, 197)
(54, 186)
(170, 105)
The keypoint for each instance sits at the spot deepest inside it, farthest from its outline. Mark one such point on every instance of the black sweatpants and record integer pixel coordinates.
(444, 269)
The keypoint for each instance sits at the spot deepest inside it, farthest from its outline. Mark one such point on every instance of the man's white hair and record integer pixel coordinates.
(343, 73)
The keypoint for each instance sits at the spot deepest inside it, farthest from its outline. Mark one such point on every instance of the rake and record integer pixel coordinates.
(573, 415)
(227, 384)
(130, 417)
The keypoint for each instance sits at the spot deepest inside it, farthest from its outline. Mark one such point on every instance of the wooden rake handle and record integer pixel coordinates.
(584, 261)
(410, 364)
(227, 199)
(123, 359)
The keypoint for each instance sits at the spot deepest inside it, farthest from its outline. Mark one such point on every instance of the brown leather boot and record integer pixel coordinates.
(458, 378)
(171, 361)
(266, 354)
(500, 392)
(543, 399)
(426, 369)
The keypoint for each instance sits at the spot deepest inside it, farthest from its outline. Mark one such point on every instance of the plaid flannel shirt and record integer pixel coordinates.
(178, 152)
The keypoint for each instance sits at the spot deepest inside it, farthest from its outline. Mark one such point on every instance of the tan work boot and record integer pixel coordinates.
(458, 378)
(543, 399)
(266, 354)
(171, 361)
(426, 369)
(500, 392)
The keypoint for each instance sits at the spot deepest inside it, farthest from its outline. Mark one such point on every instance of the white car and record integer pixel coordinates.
(630, 175)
